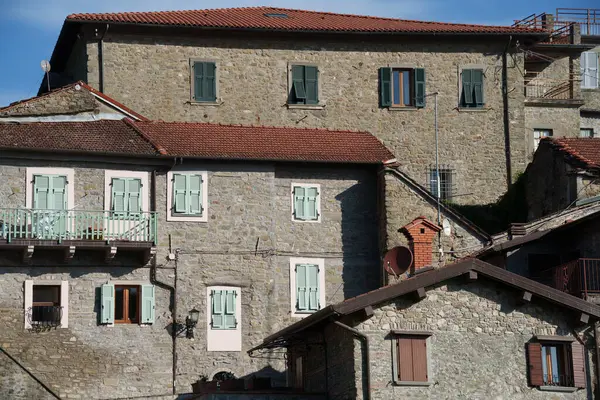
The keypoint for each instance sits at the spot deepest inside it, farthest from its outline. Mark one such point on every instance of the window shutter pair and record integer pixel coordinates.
(589, 64)
(472, 88)
(107, 304)
(223, 309)
(205, 82)
(187, 194)
(306, 206)
(307, 288)
(535, 364)
(385, 87)
(412, 359)
(50, 192)
(305, 85)
(126, 195)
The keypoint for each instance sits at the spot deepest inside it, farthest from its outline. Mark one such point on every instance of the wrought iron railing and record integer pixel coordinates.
(587, 18)
(19, 223)
(580, 277)
(44, 316)
(539, 86)
(558, 380)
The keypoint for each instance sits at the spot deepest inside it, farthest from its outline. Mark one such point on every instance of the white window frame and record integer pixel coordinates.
(110, 174)
(68, 172)
(187, 218)
(536, 141)
(64, 299)
(224, 339)
(590, 130)
(129, 283)
(298, 260)
(306, 185)
(584, 68)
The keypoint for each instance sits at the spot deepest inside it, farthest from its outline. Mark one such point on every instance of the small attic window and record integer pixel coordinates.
(276, 15)
(422, 230)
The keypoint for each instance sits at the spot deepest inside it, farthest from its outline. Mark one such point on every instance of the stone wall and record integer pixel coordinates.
(157, 70)
(564, 122)
(17, 384)
(66, 101)
(589, 120)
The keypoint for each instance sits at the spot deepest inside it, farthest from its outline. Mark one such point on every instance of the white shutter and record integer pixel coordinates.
(589, 70)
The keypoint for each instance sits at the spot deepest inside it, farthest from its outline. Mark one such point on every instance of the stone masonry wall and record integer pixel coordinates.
(477, 349)
(158, 74)
(564, 122)
(591, 121)
(65, 101)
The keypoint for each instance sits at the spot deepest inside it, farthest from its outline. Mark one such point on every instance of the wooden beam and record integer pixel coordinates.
(471, 276)
(421, 293)
(525, 297)
(368, 312)
(583, 318)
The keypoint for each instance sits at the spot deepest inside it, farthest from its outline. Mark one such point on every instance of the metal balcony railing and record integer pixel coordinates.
(19, 223)
(538, 86)
(587, 18)
(44, 316)
(580, 277)
(565, 380)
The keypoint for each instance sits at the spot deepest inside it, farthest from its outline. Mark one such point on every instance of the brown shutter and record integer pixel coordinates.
(534, 364)
(419, 347)
(405, 360)
(578, 365)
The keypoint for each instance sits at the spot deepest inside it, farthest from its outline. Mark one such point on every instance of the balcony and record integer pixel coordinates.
(542, 89)
(77, 229)
(587, 18)
(580, 277)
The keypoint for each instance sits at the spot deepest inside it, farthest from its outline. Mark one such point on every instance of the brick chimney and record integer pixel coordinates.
(420, 234)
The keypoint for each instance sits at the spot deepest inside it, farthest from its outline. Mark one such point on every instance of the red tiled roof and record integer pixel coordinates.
(584, 150)
(104, 136)
(204, 140)
(284, 19)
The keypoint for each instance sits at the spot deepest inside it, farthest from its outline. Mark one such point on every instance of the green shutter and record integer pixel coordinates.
(118, 194)
(298, 92)
(126, 195)
(107, 314)
(230, 321)
(148, 304)
(179, 193)
(312, 279)
(467, 88)
(311, 84)
(477, 81)
(311, 204)
(217, 300)
(205, 82)
(299, 207)
(194, 190)
(41, 192)
(134, 195)
(385, 87)
(419, 77)
(301, 289)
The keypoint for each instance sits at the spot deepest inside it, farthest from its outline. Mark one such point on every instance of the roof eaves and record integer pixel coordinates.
(159, 149)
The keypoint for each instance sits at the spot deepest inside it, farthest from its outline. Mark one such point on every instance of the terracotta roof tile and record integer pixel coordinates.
(187, 139)
(584, 150)
(283, 19)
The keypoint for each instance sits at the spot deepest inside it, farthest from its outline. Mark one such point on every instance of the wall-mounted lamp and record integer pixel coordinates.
(190, 323)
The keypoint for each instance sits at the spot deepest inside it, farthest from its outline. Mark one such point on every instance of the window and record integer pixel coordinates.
(127, 303)
(304, 86)
(446, 187)
(586, 132)
(223, 305)
(126, 195)
(402, 87)
(471, 94)
(306, 202)
(590, 73)
(223, 318)
(538, 134)
(556, 361)
(307, 278)
(409, 351)
(50, 192)
(46, 304)
(187, 198)
(204, 81)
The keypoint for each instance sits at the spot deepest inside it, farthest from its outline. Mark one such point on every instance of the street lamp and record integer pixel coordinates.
(190, 322)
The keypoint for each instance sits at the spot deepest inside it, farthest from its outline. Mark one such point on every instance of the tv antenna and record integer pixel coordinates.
(46, 68)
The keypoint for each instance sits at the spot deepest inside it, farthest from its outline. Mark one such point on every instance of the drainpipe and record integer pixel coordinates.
(505, 115)
(597, 341)
(365, 340)
(101, 61)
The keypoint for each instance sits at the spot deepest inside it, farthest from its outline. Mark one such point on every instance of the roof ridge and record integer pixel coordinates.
(131, 123)
(564, 146)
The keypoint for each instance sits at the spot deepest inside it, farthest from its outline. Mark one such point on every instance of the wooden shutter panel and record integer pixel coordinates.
(210, 82)
(134, 195)
(58, 195)
(179, 193)
(467, 87)
(217, 309)
(419, 361)
(593, 69)
(298, 92)
(301, 289)
(230, 321)
(311, 84)
(41, 188)
(385, 87)
(534, 364)
(477, 82)
(312, 286)
(107, 304)
(118, 186)
(419, 82)
(195, 194)
(299, 202)
(579, 376)
(311, 211)
(405, 359)
(198, 78)
(148, 306)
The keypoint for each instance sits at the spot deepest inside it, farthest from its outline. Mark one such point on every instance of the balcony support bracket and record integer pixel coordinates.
(69, 253)
(149, 254)
(28, 254)
(583, 318)
(421, 293)
(525, 297)
(111, 252)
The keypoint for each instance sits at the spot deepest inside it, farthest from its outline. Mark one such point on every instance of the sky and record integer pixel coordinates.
(29, 28)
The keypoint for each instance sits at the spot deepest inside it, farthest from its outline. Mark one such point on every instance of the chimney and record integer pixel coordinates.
(420, 234)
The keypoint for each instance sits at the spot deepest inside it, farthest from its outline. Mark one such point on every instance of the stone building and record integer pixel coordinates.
(468, 330)
(322, 70)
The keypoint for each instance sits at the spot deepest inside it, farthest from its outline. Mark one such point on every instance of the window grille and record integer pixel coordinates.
(446, 185)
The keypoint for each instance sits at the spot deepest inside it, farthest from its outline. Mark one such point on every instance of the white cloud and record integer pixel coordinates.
(51, 14)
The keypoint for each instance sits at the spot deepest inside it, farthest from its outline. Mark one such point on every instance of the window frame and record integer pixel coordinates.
(192, 81)
(319, 104)
(126, 289)
(536, 141)
(224, 339)
(583, 67)
(293, 200)
(64, 299)
(144, 193)
(568, 357)
(444, 170)
(419, 335)
(320, 262)
(483, 69)
(33, 171)
(173, 217)
(411, 87)
(590, 130)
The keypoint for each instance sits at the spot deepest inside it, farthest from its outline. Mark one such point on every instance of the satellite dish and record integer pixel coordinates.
(398, 260)
(45, 66)
(447, 227)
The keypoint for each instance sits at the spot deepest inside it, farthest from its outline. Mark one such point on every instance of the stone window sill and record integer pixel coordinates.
(411, 383)
(469, 109)
(205, 103)
(305, 106)
(402, 108)
(562, 389)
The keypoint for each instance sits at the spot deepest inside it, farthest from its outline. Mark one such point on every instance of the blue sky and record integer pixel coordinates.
(29, 28)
